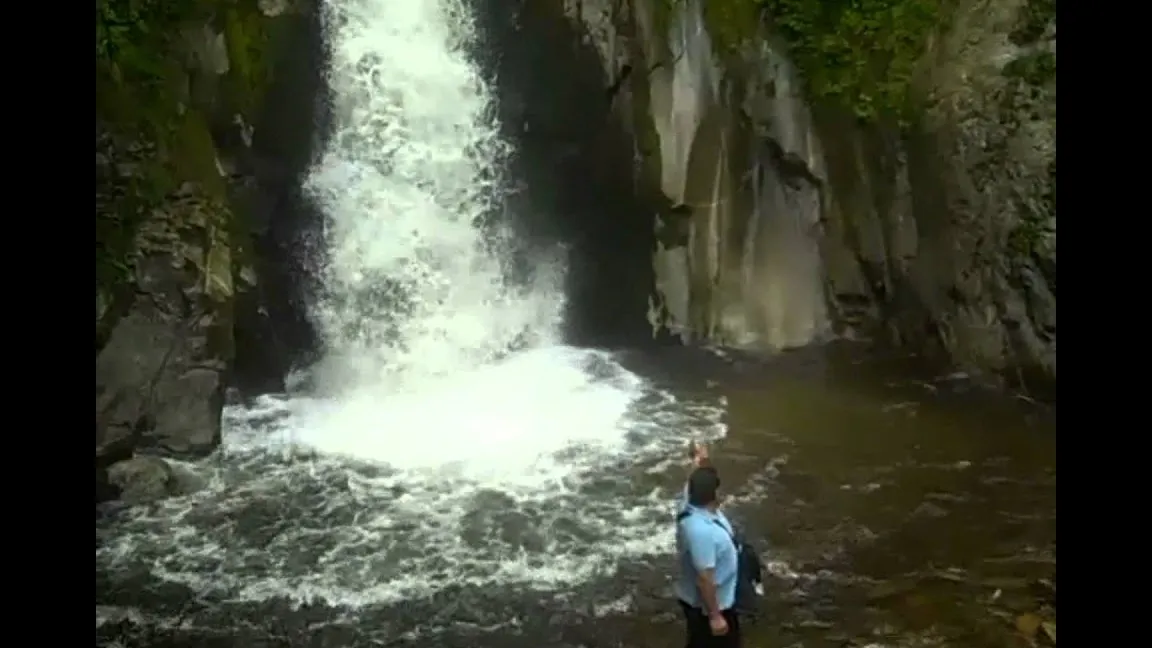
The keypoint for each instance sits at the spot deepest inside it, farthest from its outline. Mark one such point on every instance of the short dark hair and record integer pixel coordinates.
(703, 484)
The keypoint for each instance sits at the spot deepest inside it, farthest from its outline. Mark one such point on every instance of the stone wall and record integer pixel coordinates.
(794, 219)
(946, 236)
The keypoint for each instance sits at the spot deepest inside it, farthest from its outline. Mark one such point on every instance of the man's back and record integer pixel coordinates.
(703, 542)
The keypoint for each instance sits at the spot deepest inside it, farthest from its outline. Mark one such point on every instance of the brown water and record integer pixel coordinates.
(903, 510)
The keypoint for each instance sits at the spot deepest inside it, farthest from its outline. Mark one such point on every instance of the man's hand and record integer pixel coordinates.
(699, 454)
(718, 624)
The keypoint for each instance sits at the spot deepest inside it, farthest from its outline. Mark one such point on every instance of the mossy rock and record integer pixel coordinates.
(146, 77)
(730, 22)
(247, 36)
(192, 154)
(1035, 17)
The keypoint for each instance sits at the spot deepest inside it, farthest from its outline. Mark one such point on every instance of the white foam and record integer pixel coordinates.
(349, 533)
(414, 287)
(497, 422)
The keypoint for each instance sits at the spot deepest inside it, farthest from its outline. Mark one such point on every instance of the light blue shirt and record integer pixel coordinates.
(702, 542)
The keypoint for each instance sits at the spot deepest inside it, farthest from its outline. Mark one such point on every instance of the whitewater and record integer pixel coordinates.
(448, 438)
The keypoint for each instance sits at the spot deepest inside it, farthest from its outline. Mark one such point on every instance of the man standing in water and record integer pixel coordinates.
(707, 552)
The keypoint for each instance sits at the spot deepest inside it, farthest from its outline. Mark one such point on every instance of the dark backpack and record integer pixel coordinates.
(749, 571)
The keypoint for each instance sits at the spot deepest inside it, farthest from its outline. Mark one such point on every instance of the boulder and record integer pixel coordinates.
(147, 479)
(159, 376)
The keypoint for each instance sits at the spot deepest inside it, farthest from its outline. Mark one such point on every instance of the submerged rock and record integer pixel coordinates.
(147, 478)
(142, 479)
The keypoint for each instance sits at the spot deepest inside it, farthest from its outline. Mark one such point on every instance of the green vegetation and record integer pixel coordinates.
(134, 61)
(250, 72)
(1034, 235)
(732, 22)
(1038, 67)
(156, 102)
(135, 38)
(1033, 99)
(859, 54)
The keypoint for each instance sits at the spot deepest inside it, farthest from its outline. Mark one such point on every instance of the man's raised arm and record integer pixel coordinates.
(698, 454)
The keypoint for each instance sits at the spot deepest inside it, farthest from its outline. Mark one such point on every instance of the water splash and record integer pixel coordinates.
(414, 286)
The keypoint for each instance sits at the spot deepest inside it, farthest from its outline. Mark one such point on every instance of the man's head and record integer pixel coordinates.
(704, 486)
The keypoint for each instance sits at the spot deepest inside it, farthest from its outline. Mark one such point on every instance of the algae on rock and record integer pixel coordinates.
(175, 82)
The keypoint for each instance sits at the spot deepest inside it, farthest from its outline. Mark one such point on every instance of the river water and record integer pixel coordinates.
(892, 508)
(452, 474)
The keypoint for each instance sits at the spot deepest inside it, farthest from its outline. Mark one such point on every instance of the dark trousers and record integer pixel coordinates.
(700, 633)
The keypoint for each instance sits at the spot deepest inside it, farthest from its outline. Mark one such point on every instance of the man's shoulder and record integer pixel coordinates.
(699, 526)
(723, 519)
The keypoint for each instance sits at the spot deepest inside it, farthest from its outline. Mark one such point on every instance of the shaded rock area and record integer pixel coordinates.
(737, 261)
(571, 181)
(798, 219)
(185, 203)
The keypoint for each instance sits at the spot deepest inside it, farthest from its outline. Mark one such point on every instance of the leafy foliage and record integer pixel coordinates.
(1034, 236)
(134, 57)
(732, 22)
(1035, 73)
(858, 53)
(155, 102)
(133, 36)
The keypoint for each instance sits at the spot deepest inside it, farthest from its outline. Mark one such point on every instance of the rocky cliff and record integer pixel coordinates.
(180, 86)
(879, 168)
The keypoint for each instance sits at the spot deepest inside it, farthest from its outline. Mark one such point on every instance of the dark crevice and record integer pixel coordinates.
(273, 331)
(574, 166)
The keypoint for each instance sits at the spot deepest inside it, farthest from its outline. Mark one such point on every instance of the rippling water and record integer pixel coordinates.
(908, 511)
(398, 500)
(402, 496)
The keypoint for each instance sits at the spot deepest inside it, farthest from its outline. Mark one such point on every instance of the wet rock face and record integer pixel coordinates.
(729, 157)
(945, 237)
(936, 237)
(160, 376)
(196, 216)
(274, 332)
(570, 179)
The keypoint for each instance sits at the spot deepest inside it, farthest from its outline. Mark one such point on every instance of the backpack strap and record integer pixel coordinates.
(686, 513)
(731, 536)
